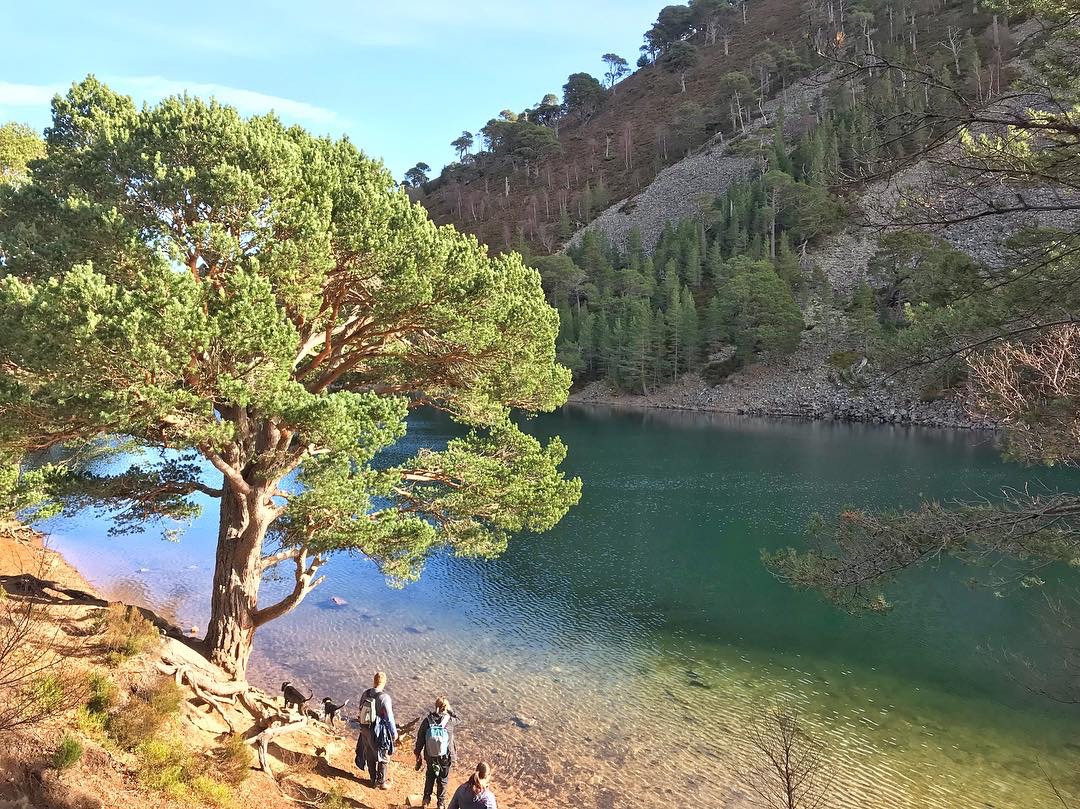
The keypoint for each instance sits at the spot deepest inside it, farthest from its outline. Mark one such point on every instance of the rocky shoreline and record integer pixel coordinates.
(800, 400)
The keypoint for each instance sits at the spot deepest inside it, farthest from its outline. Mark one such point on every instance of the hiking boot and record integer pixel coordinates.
(384, 785)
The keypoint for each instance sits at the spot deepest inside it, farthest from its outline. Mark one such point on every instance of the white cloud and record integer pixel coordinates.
(248, 102)
(27, 95)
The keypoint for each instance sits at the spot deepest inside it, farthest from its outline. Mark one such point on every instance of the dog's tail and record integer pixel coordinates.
(342, 708)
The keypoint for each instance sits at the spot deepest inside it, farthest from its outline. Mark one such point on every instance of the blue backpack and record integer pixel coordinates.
(437, 742)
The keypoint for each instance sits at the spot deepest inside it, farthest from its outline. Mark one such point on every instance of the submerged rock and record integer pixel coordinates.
(696, 680)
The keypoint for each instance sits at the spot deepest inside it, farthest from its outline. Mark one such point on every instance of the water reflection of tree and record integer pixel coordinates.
(790, 769)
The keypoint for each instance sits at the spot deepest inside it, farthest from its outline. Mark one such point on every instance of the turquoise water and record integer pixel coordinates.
(618, 660)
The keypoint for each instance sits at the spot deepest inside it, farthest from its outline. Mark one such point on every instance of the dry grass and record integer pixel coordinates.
(168, 766)
(39, 678)
(145, 713)
(125, 633)
(234, 759)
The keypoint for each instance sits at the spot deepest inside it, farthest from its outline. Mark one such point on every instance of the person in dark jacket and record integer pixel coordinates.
(475, 793)
(378, 732)
(435, 746)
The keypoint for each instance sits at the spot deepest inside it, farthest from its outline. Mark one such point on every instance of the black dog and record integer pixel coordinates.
(292, 696)
(329, 710)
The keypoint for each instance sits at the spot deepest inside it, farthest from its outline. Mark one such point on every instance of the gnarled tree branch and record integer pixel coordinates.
(305, 583)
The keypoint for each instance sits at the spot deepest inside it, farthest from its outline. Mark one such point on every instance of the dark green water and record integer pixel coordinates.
(640, 637)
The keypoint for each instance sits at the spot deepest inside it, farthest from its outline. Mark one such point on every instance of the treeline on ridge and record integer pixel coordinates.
(545, 171)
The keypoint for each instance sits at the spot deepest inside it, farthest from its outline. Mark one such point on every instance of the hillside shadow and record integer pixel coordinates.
(45, 592)
(301, 764)
(36, 785)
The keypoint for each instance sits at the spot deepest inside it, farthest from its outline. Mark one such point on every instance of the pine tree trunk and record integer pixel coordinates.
(242, 528)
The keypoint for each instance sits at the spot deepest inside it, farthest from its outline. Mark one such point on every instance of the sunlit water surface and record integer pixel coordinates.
(617, 660)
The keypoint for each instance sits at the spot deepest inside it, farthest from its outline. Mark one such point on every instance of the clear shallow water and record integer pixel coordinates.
(637, 638)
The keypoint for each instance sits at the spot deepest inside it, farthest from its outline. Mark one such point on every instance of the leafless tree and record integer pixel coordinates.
(1033, 387)
(37, 679)
(954, 43)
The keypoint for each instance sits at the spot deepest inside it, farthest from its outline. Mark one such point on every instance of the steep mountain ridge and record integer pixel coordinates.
(622, 149)
(663, 303)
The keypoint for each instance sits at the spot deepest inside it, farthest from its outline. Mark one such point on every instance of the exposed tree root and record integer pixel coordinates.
(262, 741)
(270, 719)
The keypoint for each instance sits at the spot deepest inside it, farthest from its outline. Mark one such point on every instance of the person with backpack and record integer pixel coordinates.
(378, 732)
(435, 746)
(474, 793)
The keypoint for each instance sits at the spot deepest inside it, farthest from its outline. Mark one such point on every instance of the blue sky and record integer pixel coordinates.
(402, 79)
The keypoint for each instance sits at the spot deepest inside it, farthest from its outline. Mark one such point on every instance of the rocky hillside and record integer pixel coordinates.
(633, 138)
(809, 383)
(684, 189)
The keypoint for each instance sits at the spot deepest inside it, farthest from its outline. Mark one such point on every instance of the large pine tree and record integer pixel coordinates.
(263, 307)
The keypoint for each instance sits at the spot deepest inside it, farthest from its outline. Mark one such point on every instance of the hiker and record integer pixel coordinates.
(474, 793)
(435, 745)
(378, 732)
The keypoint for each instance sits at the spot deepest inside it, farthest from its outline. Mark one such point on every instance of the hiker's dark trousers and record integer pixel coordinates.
(367, 757)
(438, 771)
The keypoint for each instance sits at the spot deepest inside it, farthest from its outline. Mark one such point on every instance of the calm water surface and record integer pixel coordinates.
(615, 661)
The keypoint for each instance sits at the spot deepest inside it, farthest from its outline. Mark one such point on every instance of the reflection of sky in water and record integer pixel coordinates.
(644, 628)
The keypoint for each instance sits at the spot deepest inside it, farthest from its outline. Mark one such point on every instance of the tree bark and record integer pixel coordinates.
(243, 521)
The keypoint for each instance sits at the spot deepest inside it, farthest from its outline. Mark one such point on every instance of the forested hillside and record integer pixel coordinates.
(536, 175)
(789, 128)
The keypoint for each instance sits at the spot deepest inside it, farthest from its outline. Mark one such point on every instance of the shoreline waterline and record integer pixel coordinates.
(641, 637)
(630, 402)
